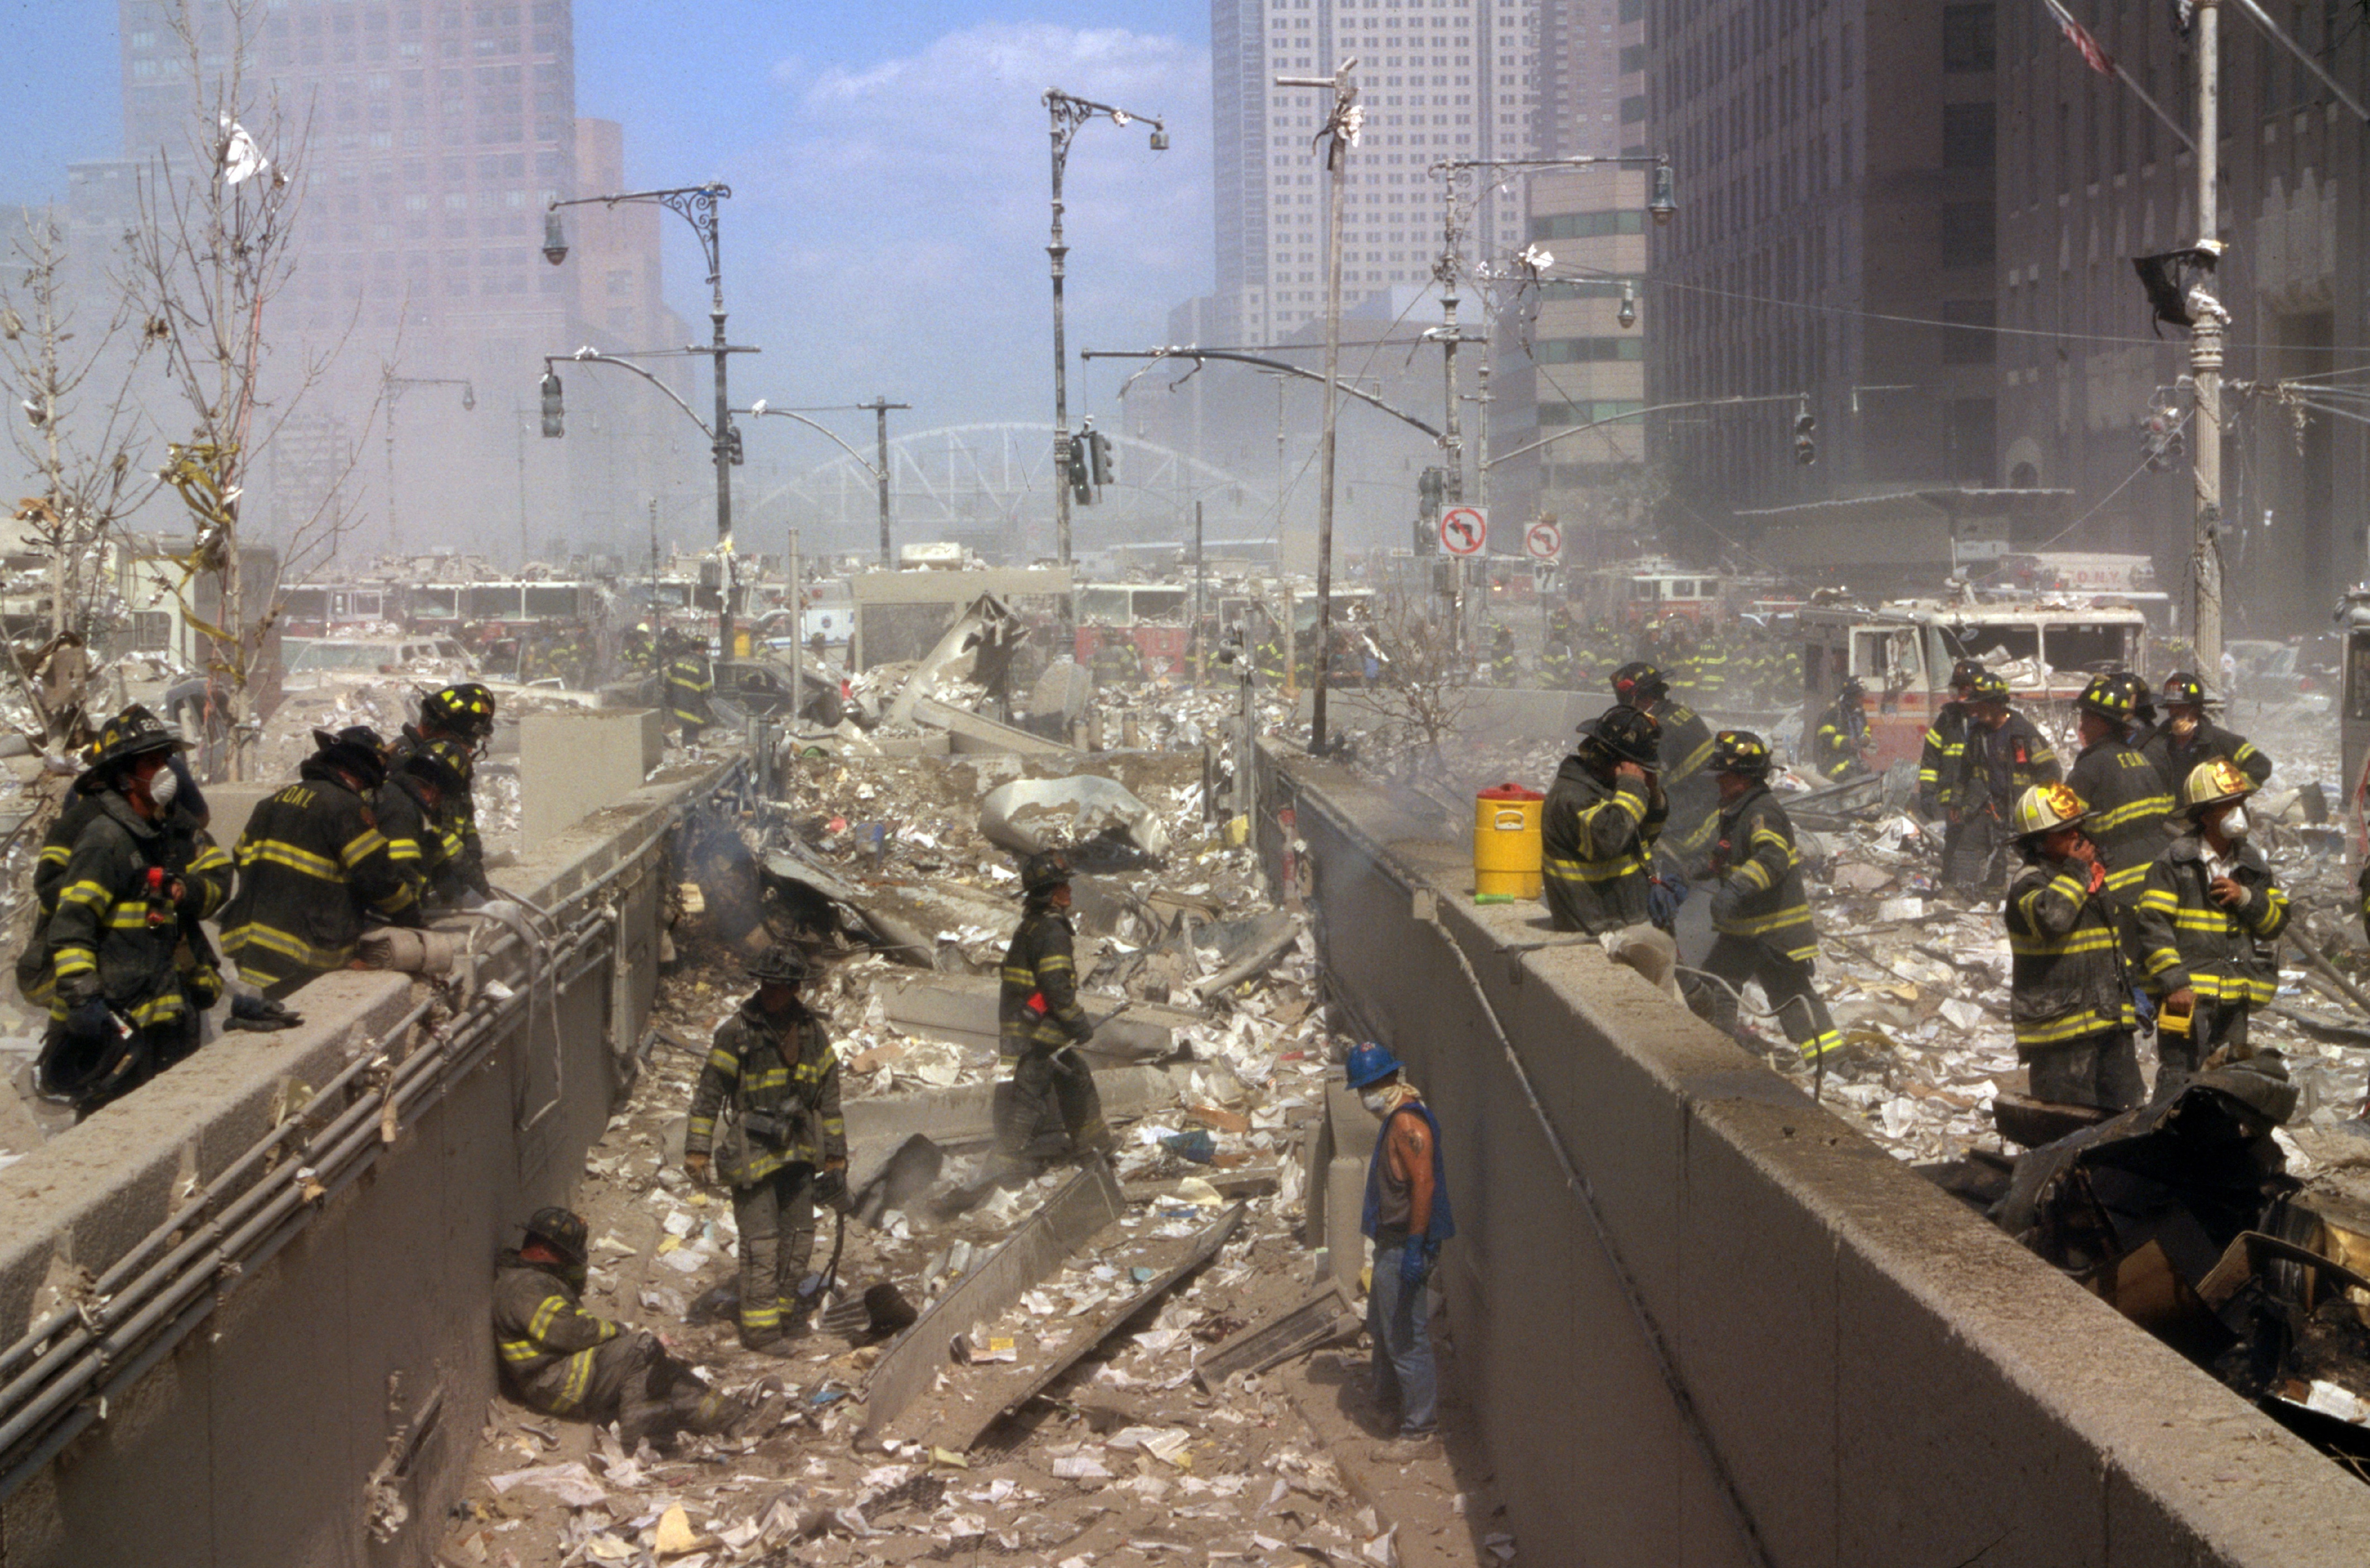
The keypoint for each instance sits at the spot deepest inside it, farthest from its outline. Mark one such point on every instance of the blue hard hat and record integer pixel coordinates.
(1370, 1063)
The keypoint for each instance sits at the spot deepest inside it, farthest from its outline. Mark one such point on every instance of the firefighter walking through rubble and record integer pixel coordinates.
(1760, 911)
(559, 1359)
(2069, 1000)
(1051, 1108)
(783, 1144)
(1406, 1216)
(2208, 925)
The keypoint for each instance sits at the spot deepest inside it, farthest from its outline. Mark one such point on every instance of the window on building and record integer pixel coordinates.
(1967, 42)
(1968, 136)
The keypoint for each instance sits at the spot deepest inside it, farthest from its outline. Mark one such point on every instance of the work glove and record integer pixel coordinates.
(89, 1021)
(831, 1184)
(1415, 1261)
(205, 988)
(696, 1166)
(261, 1014)
(1727, 902)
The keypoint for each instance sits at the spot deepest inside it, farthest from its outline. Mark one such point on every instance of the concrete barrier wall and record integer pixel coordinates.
(1888, 1380)
(252, 1444)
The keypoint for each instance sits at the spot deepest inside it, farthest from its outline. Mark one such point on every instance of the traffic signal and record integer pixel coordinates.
(1431, 495)
(1073, 463)
(554, 416)
(1806, 448)
(732, 452)
(1098, 452)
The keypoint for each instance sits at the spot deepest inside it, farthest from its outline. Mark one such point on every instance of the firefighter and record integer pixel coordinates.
(1760, 911)
(2004, 756)
(2070, 1000)
(1562, 625)
(1939, 759)
(1687, 747)
(417, 810)
(2187, 738)
(689, 679)
(462, 715)
(1713, 668)
(1598, 828)
(124, 1002)
(1051, 1108)
(558, 1359)
(2209, 921)
(1839, 750)
(1556, 666)
(783, 1145)
(638, 650)
(312, 867)
(2122, 794)
(1505, 666)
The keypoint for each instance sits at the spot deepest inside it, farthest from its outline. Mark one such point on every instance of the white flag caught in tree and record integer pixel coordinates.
(242, 160)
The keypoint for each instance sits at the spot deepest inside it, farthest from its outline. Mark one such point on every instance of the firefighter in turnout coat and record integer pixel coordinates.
(1942, 758)
(560, 1360)
(1685, 748)
(689, 679)
(116, 953)
(1759, 909)
(783, 1145)
(2070, 998)
(460, 718)
(2186, 737)
(418, 812)
(313, 866)
(1598, 828)
(2120, 789)
(2005, 755)
(1051, 1108)
(2208, 927)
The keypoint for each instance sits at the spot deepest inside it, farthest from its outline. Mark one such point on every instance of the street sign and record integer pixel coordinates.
(1545, 541)
(1464, 530)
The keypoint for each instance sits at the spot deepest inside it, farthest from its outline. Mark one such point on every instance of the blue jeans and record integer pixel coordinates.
(1399, 1320)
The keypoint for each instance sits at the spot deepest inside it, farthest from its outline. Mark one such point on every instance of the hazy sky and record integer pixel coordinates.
(888, 166)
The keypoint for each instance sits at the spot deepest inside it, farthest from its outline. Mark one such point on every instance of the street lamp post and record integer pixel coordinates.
(879, 408)
(1068, 113)
(391, 387)
(696, 205)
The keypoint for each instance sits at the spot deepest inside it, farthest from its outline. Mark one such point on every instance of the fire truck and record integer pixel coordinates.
(1903, 652)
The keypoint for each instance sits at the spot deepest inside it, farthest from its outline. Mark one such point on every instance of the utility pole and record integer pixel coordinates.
(2205, 363)
(880, 407)
(1201, 608)
(1341, 132)
(799, 635)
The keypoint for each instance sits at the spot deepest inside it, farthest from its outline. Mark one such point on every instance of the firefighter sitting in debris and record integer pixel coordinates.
(312, 867)
(417, 810)
(2004, 756)
(463, 716)
(1051, 1109)
(1759, 908)
(2069, 998)
(689, 679)
(116, 952)
(2187, 738)
(2208, 925)
(1840, 748)
(558, 1359)
(783, 1144)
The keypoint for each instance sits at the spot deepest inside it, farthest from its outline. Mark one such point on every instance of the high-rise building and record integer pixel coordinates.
(1438, 79)
(1835, 239)
(429, 135)
(1592, 65)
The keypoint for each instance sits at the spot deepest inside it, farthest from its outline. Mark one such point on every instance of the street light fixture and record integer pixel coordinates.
(391, 387)
(1628, 314)
(696, 205)
(1068, 113)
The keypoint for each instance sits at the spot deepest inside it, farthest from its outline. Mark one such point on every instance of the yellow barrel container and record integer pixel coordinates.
(1507, 854)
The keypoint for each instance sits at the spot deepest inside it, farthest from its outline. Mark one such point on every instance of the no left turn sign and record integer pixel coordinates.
(1545, 541)
(1464, 530)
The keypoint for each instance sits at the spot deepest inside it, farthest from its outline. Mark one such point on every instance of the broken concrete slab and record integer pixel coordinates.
(962, 1009)
(1027, 816)
(1324, 1317)
(971, 732)
(965, 1113)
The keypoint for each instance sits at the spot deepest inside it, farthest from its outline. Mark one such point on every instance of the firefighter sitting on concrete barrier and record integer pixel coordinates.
(1597, 831)
(121, 961)
(1406, 1216)
(312, 867)
(560, 1360)
(2208, 927)
(1050, 1109)
(2069, 998)
(462, 717)
(783, 1145)
(1760, 911)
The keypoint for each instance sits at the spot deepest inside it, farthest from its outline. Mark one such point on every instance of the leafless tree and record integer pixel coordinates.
(1419, 694)
(213, 248)
(82, 437)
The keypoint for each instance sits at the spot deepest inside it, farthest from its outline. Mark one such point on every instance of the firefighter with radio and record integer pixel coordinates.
(2069, 1000)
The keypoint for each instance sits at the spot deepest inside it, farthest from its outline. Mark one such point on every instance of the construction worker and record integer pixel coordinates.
(312, 867)
(1687, 746)
(462, 715)
(1939, 759)
(2124, 795)
(1051, 1108)
(417, 811)
(2208, 925)
(784, 1144)
(1407, 1214)
(1839, 748)
(2070, 1000)
(2186, 737)
(1505, 664)
(689, 679)
(114, 914)
(558, 1359)
(1760, 911)
(2004, 756)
